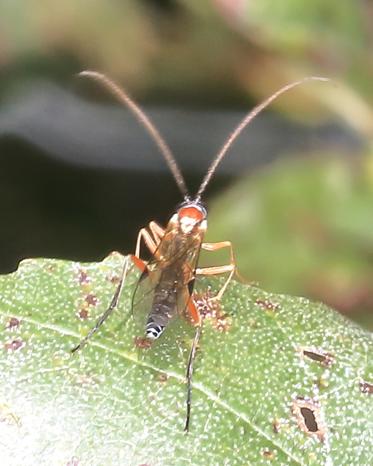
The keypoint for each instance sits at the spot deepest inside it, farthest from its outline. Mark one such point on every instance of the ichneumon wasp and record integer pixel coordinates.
(175, 249)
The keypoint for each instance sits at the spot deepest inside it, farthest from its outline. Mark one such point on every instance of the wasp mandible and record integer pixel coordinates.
(175, 249)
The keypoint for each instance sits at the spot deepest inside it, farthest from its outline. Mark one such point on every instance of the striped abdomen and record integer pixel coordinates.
(164, 308)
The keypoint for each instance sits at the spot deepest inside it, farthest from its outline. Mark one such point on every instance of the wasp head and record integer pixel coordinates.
(191, 216)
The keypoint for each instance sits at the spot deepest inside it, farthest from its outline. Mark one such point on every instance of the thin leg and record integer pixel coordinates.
(108, 311)
(189, 375)
(157, 230)
(152, 244)
(194, 314)
(220, 245)
(229, 268)
(217, 271)
(151, 239)
(148, 240)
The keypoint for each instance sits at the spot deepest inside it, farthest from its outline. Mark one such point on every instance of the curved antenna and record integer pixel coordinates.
(145, 121)
(246, 120)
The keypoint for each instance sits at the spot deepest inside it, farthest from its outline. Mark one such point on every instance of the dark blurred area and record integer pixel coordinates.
(79, 176)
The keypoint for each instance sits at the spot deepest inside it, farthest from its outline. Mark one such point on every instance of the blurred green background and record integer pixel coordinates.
(78, 177)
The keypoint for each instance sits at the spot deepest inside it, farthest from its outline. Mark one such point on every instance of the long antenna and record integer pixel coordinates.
(145, 121)
(246, 120)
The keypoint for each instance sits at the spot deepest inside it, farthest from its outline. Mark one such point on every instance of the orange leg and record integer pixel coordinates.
(217, 270)
(157, 230)
(194, 312)
(151, 238)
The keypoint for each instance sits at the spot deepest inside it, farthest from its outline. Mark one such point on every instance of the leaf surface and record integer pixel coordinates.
(114, 403)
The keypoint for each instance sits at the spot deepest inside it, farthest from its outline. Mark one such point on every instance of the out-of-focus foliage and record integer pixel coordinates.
(115, 36)
(282, 40)
(304, 227)
(298, 26)
(177, 47)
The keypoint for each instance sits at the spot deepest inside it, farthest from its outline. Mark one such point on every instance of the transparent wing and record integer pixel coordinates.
(143, 296)
(165, 288)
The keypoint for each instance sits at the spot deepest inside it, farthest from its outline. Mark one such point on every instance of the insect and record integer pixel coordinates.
(175, 249)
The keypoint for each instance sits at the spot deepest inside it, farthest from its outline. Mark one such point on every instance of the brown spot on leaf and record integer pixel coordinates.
(114, 278)
(14, 345)
(268, 454)
(91, 299)
(162, 377)
(83, 314)
(51, 268)
(206, 305)
(278, 425)
(366, 387)
(223, 323)
(307, 412)
(324, 358)
(83, 277)
(309, 419)
(268, 305)
(142, 342)
(210, 308)
(13, 323)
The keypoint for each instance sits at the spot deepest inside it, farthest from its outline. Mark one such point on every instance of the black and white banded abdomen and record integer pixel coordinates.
(153, 330)
(163, 310)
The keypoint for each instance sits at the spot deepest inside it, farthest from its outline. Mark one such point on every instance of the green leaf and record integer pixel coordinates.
(114, 403)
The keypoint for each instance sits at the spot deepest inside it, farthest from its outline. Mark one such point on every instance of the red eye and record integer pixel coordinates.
(191, 212)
